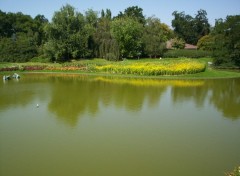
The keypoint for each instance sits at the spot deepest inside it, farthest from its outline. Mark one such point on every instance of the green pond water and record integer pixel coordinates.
(112, 126)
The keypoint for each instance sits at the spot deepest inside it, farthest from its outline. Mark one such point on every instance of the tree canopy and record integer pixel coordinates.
(134, 12)
(189, 28)
(20, 36)
(226, 45)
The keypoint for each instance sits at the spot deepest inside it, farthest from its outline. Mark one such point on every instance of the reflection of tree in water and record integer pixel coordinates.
(226, 97)
(224, 94)
(72, 97)
(183, 93)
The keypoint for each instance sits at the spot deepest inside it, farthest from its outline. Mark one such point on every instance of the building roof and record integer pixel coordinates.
(189, 46)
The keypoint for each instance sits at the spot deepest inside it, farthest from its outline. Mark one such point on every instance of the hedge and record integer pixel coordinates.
(186, 53)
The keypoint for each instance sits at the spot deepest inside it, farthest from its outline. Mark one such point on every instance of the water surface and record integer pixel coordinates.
(103, 126)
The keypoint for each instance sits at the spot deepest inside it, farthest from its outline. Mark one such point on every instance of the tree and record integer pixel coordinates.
(201, 24)
(183, 26)
(67, 35)
(134, 12)
(155, 35)
(206, 43)
(39, 23)
(20, 49)
(91, 21)
(18, 37)
(226, 47)
(190, 29)
(128, 33)
(107, 46)
(6, 25)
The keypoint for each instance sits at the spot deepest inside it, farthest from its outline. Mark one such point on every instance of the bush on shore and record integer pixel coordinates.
(186, 53)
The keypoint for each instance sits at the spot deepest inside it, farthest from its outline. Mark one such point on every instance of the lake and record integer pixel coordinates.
(115, 126)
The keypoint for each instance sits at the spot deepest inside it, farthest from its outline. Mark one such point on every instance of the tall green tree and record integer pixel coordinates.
(128, 33)
(91, 21)
(39, 23)
(19, 36)
(134, 12)
(201, 24)
(107, 46)
(189, 28)
(154, 37)
(67, 35)
(21, 48)
(226, 45)
(6, 25)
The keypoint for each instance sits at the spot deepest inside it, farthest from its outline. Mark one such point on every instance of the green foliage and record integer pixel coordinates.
(67, 35)
(178, 43)
(21, 36)
(22, 49)
(90, 28)
(41, 59)
(133, 12)
(111, 57)
(128, 33)
(189, 28)
(109, 50)
(206, 43)
(226, 45)
(154, 37)
(186, 53)
(103, 39)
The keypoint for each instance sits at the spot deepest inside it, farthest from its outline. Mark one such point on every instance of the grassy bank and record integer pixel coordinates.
(164, 68)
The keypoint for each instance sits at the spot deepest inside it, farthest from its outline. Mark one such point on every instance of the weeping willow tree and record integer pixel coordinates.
(109, 49)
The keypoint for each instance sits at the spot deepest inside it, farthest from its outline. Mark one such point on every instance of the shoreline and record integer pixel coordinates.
(208, 74)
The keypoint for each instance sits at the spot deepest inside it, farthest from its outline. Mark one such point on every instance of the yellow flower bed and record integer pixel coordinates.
(161, 68)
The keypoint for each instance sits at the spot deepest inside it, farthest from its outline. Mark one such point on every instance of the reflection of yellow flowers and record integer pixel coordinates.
(161, 68)
(152, 82)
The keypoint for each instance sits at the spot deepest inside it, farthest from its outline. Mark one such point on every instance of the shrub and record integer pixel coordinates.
(178, 43)
(186, 53)
(111, 57)
(41, 59)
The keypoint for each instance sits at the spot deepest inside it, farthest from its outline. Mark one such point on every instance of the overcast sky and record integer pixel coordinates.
(162, 9)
